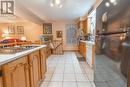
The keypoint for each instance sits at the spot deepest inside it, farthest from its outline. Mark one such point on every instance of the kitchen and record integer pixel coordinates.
(64, 43)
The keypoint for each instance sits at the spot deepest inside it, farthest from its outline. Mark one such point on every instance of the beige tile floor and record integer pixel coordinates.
(66, 71)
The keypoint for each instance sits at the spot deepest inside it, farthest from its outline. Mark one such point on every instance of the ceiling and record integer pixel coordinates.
(71, 10)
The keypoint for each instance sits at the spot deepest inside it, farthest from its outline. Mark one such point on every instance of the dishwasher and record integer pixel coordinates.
(89, 55)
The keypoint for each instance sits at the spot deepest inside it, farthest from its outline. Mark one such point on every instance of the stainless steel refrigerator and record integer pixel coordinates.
(112, 66)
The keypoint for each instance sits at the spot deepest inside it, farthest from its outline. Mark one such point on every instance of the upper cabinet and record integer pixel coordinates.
(83, 24)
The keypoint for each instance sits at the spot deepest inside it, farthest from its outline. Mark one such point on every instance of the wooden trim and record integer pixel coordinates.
(1, 80)
(93, 54)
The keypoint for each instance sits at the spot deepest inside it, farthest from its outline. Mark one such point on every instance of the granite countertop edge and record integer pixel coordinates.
(6, 58)
(88, 42)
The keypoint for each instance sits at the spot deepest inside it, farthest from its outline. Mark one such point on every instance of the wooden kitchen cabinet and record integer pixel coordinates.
(27, 71)
(48, 51)
(82, 49)
(34, 62)
(43, 62)
(85, 26)
(1, 80)
(16, 73)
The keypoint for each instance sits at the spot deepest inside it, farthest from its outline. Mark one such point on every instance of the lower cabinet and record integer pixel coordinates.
(34, 63)
(27, 71)
(82, 49)
(43, 62)
(1, 79)
(16, 73)
(48, 51)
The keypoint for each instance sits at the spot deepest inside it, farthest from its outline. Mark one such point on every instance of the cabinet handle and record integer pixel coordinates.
(13, 68)
(21, 64)
(26, 65)
(30, 64)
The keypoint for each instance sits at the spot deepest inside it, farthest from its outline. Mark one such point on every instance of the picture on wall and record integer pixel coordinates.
(47, 28)
(59, 34)
(11, 29)
(20, 30)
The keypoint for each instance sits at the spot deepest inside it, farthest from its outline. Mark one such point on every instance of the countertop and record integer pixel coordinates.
(88, 42)
(6, 58)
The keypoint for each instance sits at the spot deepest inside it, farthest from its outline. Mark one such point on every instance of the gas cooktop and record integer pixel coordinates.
(15, 49)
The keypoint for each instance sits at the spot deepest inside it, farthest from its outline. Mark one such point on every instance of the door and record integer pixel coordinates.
(34, 62)
(16, 73)
(71, 37)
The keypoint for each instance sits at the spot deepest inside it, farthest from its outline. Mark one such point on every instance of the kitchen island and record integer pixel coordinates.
(23, 69)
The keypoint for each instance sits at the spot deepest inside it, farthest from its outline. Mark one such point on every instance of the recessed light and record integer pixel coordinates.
(57, 2)
(107, 4)
(115, 3)
(52, 5)
(112, 1)
(60, 6)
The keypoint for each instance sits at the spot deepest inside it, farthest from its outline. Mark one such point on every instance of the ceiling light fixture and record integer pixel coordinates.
(107, 4)
(112, 1)
(56, 3)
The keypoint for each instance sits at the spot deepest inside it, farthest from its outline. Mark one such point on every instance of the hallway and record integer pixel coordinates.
(66, 71)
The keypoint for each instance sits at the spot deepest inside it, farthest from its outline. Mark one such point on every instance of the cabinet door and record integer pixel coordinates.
(85, 26)
(80, 48)
(84, 50)
(16, 73)
(1, 80)
(48, 52)
(43, 62)
(34, 62)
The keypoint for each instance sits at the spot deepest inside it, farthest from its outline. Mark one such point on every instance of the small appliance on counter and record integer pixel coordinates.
(89, 37)
(45, 39)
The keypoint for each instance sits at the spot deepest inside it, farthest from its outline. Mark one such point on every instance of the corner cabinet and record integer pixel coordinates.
(1, 79)
(16, 73)
(34, 64)
(43, 62)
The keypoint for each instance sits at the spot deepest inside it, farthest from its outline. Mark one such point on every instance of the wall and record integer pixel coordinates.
(61, 26)
(31, 30)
